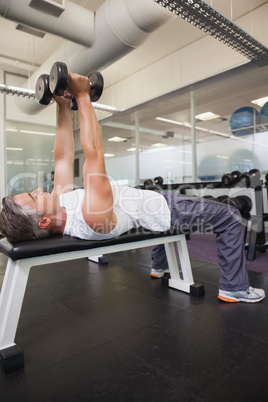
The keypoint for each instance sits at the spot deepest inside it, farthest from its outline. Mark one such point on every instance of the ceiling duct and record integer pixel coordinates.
(76, 23)
(52, 7)
(120, 26)
(206, 18)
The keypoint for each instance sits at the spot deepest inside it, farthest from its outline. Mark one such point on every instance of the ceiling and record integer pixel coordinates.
(23, 54)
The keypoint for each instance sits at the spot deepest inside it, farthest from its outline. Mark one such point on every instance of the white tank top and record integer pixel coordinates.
(132, 207)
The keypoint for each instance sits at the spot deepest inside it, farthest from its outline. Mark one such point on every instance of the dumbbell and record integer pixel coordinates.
(158, 181)
(241, 202)
(230, 179)
(251, 178)
(148, 184)
(266, 179)
(244, 204)
(43, 94)
(56, 82)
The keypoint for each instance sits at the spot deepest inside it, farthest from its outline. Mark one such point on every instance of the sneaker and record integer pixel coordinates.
(250, 295)
(159, 273)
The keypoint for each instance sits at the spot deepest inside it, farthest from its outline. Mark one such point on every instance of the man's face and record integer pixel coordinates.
(46, 203)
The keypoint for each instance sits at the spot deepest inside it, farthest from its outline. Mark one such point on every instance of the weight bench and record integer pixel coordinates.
(22, 256)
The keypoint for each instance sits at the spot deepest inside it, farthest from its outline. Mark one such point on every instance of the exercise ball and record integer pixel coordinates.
(242, 121)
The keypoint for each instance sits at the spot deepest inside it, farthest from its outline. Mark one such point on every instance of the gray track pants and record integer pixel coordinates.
(202, 215)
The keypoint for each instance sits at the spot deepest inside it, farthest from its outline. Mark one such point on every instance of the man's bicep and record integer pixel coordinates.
(63, 177)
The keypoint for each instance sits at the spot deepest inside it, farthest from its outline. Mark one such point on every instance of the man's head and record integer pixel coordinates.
(24, 216)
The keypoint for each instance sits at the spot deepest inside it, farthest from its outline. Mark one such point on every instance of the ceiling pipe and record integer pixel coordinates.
(75, 23)
(120, 27)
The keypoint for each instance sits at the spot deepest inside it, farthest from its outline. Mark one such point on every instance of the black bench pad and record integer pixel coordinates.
(63, 244)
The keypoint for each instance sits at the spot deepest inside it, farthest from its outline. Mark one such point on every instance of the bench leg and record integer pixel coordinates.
(11, 299)
(99, 259)
(181, 276)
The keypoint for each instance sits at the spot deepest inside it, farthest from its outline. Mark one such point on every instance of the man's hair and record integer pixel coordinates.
(18, 223)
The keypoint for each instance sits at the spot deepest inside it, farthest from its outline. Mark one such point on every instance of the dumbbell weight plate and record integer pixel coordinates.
(244, 204)
(227, 180)
(236, 175)
(222, 198)
(245, 179)
(42, 92)
(96, 85)
(58, 78)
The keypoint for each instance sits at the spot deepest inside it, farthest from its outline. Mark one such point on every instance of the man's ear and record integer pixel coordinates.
(44, 222)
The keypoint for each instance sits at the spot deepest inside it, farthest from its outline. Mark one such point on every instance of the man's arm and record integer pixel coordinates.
(97, 205)
(63, 148)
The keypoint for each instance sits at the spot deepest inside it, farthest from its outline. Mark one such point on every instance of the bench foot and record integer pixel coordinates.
(103, 260)
(99, 259)
(197, 290)
(12, 359)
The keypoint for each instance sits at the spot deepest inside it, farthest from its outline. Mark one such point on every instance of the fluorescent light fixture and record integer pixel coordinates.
(261, 101)
(133, 149)
(108, 155)
(159, 145)
(155, 149)
(12, 130)
(169, 121)
(106, 108)
(206, 116)
(117, 139)
(14, 149)
(37, 133)
(222, 157)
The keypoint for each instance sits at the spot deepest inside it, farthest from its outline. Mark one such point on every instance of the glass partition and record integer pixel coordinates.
(161, 130)
(29, 145)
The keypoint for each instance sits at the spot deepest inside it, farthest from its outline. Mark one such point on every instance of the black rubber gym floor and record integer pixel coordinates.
(111, 333)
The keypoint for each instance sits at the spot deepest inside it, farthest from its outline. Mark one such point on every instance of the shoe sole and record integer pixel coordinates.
(159, 276)
(226, 299)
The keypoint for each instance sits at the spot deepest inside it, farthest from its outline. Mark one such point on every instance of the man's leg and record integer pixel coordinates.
(195, 214)
(159, 262)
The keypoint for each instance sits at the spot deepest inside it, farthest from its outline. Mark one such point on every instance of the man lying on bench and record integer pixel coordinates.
(100, 211)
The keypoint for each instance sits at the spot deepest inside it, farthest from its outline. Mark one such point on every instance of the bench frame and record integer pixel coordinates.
(17, 273)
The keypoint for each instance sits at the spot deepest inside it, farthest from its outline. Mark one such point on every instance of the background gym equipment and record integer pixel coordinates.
(155, 184)
(55, 84)
(246, 179)
(251, 178)
(230, 179)
(158, 181)
(244, 120)
(242, 202)
(264, 114)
